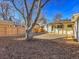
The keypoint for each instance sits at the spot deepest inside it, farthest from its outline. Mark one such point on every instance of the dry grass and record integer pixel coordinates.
(37, 49)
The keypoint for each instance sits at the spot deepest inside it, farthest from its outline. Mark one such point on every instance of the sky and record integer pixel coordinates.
(65, 7)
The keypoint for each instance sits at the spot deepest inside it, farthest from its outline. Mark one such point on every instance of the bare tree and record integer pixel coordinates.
(28, 12)
(42, 21)
(4, 10)
(58, 17)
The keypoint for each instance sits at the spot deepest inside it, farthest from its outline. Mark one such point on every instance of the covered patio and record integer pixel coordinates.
(62, 28)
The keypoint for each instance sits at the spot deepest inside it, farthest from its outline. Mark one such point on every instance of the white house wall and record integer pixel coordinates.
(78, 30)
(75, 30)
(45, 28)
(58, 31)
(49, 29)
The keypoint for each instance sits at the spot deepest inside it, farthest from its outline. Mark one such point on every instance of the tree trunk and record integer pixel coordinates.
(29, 35)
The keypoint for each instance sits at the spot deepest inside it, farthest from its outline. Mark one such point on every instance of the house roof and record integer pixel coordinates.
(61, 22)
(75, 17)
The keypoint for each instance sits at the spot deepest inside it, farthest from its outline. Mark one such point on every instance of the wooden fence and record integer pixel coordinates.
(11, 30)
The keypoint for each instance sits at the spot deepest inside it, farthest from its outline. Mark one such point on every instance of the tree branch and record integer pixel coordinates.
(38, 14)
(30, 13)
(26, 6)
(32, 6)
(45, 3)
(19, 11)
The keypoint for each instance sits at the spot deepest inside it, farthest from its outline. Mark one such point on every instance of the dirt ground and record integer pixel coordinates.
(37, 49)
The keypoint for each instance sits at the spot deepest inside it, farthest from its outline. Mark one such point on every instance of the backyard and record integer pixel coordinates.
(54, 25)
(58, 48)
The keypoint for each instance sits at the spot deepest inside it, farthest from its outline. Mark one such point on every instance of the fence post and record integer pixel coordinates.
(5, 28)
(17, 30)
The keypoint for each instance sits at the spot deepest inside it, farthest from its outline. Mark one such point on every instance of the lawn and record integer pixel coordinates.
(37, 49)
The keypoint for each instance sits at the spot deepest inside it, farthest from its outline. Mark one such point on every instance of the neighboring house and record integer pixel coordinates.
(48, 27)
(61, 27)
(37, 28)
(75, 19)
(65, 27)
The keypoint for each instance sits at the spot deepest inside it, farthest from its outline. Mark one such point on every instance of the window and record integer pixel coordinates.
(69, 26)
(60, 26)
(52, 27)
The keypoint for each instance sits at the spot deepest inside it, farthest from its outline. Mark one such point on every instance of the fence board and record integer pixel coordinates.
(8, 30)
